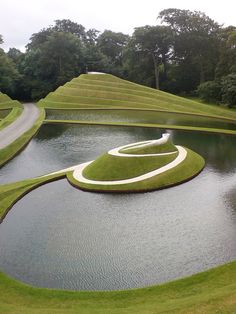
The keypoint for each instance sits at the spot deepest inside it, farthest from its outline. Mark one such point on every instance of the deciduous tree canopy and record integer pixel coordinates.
(185, 49)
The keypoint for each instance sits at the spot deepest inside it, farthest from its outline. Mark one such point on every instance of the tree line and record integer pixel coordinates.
(186, 52)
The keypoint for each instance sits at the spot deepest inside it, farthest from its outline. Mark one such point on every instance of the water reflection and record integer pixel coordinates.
(139, 116)
(99, 241)
(59, 146)
(60, 237)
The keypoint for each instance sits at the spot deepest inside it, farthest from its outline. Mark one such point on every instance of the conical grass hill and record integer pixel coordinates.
(105, 91)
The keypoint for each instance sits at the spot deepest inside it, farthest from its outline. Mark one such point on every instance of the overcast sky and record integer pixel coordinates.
(21, 18)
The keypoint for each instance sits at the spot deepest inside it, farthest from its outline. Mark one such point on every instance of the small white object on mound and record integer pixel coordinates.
(96, 73)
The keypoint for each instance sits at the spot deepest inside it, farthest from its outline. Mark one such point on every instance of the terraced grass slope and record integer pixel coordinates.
(14, 107)
(94, 91)
(6, 102)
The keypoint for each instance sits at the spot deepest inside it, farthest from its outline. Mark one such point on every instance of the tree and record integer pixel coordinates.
(155, 42)
(112, 45)
(61, 26)
(1, 39)
(195, 40)
(227, 59)
(67, 26)
(8, 74)
(53, 62)
(210, 91)
(229, 90)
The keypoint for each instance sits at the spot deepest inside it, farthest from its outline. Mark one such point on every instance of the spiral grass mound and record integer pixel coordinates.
(139, 167)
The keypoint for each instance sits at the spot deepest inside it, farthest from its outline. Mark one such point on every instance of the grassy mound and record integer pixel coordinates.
(113, 167)
(108, 167)
(151, 149)
(107, 91)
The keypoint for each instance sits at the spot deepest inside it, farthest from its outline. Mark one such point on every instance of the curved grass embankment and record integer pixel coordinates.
(12, 192)
(145, 125)
(212, 291)
(11, 150)
(11, 117)
(16, 109)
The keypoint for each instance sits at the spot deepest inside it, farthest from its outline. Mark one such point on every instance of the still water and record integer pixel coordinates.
(60, 237)
(140, 117)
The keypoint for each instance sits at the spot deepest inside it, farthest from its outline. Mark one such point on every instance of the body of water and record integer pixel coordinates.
(61, 237)
(140, 117)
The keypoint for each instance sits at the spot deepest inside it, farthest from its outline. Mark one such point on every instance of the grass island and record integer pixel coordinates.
(207, 292)
(139, 167)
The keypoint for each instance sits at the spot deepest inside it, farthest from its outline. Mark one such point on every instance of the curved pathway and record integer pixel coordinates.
(21, 125)
(78, 172)
(162, 140)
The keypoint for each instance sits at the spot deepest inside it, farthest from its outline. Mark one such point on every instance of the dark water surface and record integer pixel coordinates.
(60, 237)
(140, 117)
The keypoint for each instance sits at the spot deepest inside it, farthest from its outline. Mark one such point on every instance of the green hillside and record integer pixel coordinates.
(9, 110)
(6, 102)
(105, 91)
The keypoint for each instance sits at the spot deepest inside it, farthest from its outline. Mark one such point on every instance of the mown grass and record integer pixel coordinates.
(11, 150)
(110, 91)
(144, 125)
(186, 170)
(109, 167)
(150, 149)
(10, 193)
(6, 102)
(11, 117)
(16, 109)
(212, 291)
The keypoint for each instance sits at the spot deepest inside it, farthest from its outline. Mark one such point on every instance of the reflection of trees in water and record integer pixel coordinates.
(218, 150)
(49, 131)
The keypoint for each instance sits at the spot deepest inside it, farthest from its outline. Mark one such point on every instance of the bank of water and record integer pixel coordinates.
(137, 116)
(60, 237)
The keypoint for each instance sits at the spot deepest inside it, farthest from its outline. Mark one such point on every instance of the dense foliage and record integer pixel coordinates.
(185, 50)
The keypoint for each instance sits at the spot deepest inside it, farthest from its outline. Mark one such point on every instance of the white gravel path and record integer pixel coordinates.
(78, 172)
(162, 140)
(22, 124)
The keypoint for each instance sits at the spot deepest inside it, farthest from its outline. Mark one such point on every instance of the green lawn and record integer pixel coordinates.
(150, 149)
(94, 91)
(144, 125)
(12, 192)
(108, 167)
(212, 291)
(186, 170)
(15, 110)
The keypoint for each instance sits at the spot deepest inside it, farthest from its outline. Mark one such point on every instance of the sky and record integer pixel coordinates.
(19, 19)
